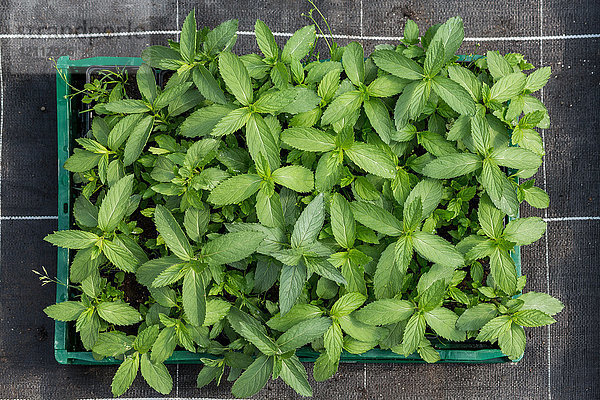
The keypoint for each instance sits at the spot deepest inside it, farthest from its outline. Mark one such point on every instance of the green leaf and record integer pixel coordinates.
(333, 341)
(222, 37)
(291, 283)
(203, 121)
(346, 304)
(385, 312)
(146, 338)
(342, 221)
(452, 166)
(451, 35)
(88, 325)
(297, 313)
(372, 159)
(232, 247)
(503, 270)
(146, 82)
(499, 189)
(208, 85)
(524, 231)
(112, 344)
(82, 161)
(454, 95)
(294, 374)
(474, 318)
(532, 318)
(515, 157)
(137, 140)
(376, 218)
(299, 44)
(508, 87)
(380, 119)
(252, 330)
(164, 345)
(309, 224)
(414, 333)
(266, 40)
(72, 239)
(172, 233)
(85, 212)
(269, 210)
(125, 374)
(325, 367)
(216, 310)
(542, 302)
(195, 222)
(498, 65)
(490, 218)
(294, 177)
(302, 333)
(194, 299)
(235, 189)
(342, 106)
(260, 140)
(398, 65)
(360, 331)
(65, 311)
(308, 139)
(274, 101)
(512, 341)
(127, 106)
(443, 322)
(120, 255)
(436, 249)
(353, 60)
(115, 204)
(466, 79)
(118, 313)
(537, 79)
(254, 378)
(162, 57)
(434, 59)
(432, 296)
(390, 269)
(411, 102)
(386, 86)
(83, 265)
(187, 42)
(236, 77)
(157, 375)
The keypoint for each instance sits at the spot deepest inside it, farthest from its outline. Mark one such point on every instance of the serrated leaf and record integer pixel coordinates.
(372, 159)
(385, 312)
(157, 375)
(443, 322)
(236, 77)
(114, 205)
(291, 283)
(309, 223)
(524, 231)
(137, 140)
(398, 65)
(65, 311)
(342, 221)
(172, 233)
(251, 330)
(299, 44)
(302, 333)
(294, 177)
(125, 375)
(353, 61)
(308, 139)
(254, 378)
(118, 313)
(208, 85)
(474, 318)
(232, 247)
(194, 299)
(235, 189)
(72, 239)
(376, 218)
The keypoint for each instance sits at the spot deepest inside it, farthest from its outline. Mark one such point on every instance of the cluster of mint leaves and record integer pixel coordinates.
(265, 203)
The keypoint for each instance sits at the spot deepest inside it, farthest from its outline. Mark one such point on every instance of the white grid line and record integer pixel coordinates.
(28, 217)
(546, 245)
(361, 19)
(1, 130)
(46, 217)
(287, 34)
(177, 20)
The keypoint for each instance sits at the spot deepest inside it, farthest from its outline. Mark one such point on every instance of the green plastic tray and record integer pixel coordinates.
(68, 121)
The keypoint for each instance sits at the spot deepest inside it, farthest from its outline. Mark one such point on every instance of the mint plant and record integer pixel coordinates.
(258, 204)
